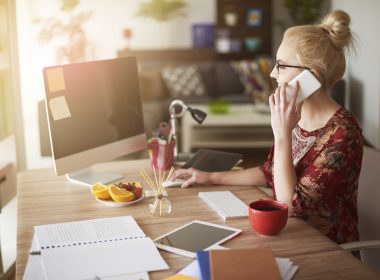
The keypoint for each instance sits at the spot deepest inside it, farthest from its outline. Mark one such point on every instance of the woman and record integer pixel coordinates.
(315, 162)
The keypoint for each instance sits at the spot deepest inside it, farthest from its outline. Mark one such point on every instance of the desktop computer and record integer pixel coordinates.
(94, 115)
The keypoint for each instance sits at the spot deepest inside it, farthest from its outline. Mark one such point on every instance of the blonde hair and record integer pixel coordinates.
(322, 47)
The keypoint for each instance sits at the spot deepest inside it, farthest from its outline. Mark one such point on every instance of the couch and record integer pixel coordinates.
(210, 80)
(221, 81)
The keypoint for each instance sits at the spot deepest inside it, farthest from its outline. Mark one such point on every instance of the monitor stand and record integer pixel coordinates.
(89, 177)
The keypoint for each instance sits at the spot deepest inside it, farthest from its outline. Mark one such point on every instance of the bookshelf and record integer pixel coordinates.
(243, 28)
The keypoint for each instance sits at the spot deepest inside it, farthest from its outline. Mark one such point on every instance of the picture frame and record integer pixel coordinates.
(254, 17)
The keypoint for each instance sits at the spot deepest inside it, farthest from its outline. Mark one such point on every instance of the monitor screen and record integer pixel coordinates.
(94, 112)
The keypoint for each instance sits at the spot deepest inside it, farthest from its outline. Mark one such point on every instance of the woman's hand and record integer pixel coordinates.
(191, 176)
(284, 114)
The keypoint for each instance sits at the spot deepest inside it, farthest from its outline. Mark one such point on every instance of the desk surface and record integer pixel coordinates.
(44, 198)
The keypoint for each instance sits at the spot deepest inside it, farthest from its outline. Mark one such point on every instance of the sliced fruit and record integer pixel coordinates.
(138, 191)
(120, 194)
(129, 186)
(100, 191)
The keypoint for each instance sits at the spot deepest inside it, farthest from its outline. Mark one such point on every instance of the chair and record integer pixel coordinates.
(368, 210)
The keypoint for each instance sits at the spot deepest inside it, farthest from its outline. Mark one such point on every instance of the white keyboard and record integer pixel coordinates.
(225, 203)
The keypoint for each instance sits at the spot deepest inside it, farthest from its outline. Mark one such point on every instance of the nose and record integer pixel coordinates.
(274, 73)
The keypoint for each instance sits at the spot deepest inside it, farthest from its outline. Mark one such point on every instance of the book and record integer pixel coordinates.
(286, 266)
(243, 264)
(203, 258)
(213, 160)
(99, 247)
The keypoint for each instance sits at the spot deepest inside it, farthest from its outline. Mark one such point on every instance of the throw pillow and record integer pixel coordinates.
(254, 76)
(183, 81)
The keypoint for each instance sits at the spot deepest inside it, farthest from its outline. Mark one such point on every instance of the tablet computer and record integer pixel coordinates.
(195, 236)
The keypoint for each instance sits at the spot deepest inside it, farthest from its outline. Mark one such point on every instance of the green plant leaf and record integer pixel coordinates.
(162, 10)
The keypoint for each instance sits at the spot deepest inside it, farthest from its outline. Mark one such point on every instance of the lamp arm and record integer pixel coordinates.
(197, 115)
(173, 121)
(173, 132)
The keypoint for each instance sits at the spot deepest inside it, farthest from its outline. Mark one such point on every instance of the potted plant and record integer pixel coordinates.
(162, 10)
(66, 27)
(304, 11)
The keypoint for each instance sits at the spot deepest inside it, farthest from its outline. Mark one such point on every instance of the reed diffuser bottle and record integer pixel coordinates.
(160, 205)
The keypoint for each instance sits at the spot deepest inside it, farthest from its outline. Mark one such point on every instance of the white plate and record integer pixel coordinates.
(110, 202)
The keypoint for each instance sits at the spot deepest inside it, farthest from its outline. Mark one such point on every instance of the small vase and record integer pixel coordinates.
(160, 206)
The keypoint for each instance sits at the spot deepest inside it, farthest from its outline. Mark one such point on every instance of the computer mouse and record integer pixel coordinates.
(175, 183)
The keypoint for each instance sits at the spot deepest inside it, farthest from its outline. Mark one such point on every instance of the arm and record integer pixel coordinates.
(284, 117)
(284, 174)
(252, 176)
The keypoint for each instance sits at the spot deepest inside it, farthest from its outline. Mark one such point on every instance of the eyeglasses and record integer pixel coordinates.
(281, 66)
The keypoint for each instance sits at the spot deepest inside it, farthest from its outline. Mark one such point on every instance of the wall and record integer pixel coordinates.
(105, 33)
(364, 68)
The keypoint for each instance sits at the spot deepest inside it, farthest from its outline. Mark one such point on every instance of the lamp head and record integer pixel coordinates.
(197, 115)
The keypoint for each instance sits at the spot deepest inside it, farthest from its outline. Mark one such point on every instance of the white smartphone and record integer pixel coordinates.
(308, 85)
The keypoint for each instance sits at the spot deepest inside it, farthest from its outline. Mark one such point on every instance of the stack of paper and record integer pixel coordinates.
(93, 249)
(261, 266)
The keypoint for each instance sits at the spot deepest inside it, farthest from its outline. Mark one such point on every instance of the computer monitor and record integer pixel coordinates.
(94, 115)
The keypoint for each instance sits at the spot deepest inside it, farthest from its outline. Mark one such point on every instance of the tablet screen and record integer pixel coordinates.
(196, 236)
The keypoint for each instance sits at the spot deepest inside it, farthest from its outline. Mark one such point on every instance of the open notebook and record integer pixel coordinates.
(93, 248)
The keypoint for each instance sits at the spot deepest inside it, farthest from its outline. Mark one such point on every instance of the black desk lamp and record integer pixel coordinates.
(177, 109)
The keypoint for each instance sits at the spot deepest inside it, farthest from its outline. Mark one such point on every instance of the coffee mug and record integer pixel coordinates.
(268, 217)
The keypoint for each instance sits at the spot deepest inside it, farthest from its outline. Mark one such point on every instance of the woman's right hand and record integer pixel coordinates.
(191, 176)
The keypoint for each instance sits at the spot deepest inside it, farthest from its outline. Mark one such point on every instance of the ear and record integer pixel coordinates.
(316, 74)
(319, 77)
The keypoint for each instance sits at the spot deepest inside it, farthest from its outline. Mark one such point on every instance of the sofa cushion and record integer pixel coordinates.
(184, 81)
(227, 80)
(207, 71)
(252, 76)
(152, 87)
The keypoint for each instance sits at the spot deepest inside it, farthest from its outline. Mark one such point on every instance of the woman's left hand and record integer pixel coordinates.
(284, 114)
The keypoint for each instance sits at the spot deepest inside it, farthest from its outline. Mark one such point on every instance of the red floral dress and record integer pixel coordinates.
(327, 163)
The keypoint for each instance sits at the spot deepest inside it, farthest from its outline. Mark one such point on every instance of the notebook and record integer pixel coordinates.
(213, 161)
(203, 258)
(243, 264)
(286, 266)
(99, 247)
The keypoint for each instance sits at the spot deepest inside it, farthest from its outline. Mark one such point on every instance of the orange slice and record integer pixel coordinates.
(100, 191)
(120, 195)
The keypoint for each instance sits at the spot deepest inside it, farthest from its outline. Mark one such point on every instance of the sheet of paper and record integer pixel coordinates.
(35, 269)
(87, 231)
(290, 273)
(56, 79)
(100, 247)
(283, 265)
(133, 276)
(59, 108)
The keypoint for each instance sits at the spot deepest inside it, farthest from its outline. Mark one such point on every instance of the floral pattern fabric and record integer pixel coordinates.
(327, 178)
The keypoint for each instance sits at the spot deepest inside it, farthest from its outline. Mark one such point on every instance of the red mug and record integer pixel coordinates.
(268, 217)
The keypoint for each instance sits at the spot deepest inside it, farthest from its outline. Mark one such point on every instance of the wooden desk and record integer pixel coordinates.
(44, 198)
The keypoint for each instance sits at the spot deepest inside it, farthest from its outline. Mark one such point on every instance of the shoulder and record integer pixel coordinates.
(346, 137)
(345, 126)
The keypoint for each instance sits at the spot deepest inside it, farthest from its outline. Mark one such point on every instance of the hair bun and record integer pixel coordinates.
(337, 24)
